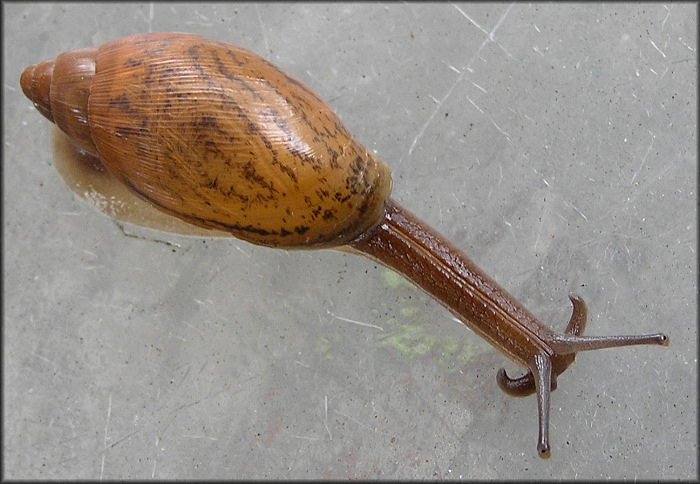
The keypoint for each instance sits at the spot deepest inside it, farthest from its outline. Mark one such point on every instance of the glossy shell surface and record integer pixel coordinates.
(219, 137)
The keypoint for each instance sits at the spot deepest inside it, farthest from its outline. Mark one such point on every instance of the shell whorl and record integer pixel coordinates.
(60, 90)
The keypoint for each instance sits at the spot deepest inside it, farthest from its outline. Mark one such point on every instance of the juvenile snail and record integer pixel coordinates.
(222, 139)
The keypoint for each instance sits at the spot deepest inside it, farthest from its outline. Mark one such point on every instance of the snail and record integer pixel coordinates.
(227, 142)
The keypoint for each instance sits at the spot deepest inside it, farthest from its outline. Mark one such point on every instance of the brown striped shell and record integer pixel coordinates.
(217, 136)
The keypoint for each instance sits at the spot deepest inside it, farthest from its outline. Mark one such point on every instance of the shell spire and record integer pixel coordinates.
(36, 85)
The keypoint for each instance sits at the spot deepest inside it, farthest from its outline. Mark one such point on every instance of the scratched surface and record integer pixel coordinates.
(555, 144)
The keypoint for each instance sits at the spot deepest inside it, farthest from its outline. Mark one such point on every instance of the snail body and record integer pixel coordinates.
(223, 140)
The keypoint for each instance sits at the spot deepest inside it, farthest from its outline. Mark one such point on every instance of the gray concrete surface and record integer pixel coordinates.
(555, 144)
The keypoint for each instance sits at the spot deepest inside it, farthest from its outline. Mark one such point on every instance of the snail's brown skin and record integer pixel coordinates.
(215, 135)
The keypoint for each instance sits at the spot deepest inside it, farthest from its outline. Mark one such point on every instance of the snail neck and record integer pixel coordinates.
(406, 244)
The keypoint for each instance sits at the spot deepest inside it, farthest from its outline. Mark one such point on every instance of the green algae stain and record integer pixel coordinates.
(408, 311)
(392, 280)
(412, 333)
(408, 329)
(325, 346)
(408, 339)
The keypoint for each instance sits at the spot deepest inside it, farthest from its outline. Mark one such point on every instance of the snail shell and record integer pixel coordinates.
(216, 136)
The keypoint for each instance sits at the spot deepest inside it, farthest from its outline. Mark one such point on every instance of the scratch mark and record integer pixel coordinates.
(510, 229)
(200, 20)
(575, 208)
(262, 29)
(474, 104)
(499, 129)
(109, 414)
(199, 437)
(325, 421)
(660, 51)
(489, 38)
(153, 472)
(355, 322)
(148, 18)
(128, 436)
(539, 229)
(170, 333)
(357, 421)
(690, 48)
(44, 359)
(644, 160)
(243, 252)
(151, 16)
(302, 437)
(498, 24)
(479, 87)
(464, 14)
(668, 14)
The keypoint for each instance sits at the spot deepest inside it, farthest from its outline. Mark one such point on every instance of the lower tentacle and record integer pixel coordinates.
(579, 316)
(518, 387)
